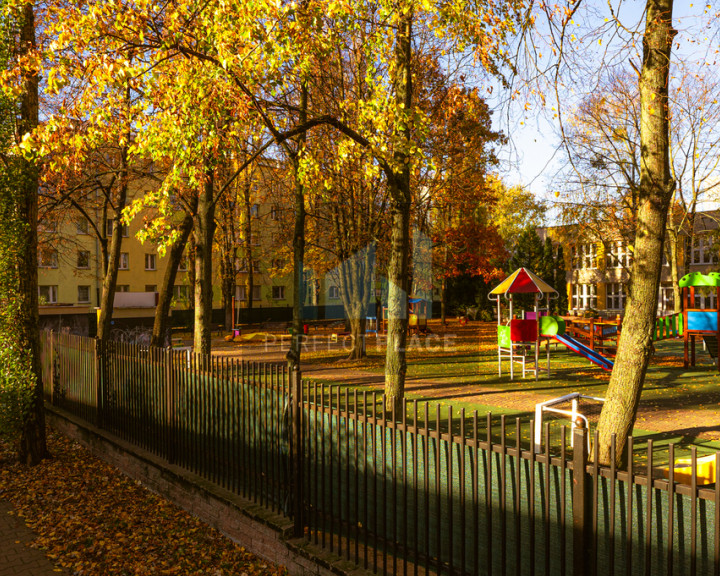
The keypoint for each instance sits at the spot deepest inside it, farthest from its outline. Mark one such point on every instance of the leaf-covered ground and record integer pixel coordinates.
(92, 520)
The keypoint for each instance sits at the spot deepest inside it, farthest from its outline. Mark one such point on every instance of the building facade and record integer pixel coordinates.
(598, 268)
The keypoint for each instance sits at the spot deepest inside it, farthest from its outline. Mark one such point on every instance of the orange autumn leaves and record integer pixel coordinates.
(92, 520)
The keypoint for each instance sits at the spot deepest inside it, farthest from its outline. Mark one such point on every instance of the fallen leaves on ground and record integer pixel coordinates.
(92, 520)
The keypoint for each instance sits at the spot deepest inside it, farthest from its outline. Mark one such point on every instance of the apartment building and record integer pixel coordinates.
(598, 268)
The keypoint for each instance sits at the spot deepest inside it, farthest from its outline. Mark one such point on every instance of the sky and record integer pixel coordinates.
(534, 157)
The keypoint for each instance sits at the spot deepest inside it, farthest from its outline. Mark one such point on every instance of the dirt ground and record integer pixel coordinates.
(457, 365)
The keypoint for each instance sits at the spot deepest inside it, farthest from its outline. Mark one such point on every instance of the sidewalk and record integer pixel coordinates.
(16, 557)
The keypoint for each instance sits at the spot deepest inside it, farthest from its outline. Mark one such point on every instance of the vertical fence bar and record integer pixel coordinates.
(580, 502)
(438, 496)
(693, 510)
(296, 447)
(613, 484)
(426, 477)
(450, 487)
(518, 499)
(98, 353)
(503, 497)
(463, 482)
(648, 509)
(489, 492)
(531, 505)
(563, 500)
(475, 461)
(170, 402)
(546, 515)
(366, 478)
(629, 492)
(716, 530)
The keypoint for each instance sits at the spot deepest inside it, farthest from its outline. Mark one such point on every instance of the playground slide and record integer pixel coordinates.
(580, 348)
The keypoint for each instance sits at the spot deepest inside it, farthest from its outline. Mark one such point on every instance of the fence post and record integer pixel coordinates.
(296, 448)
(581, 505)
(100, 381)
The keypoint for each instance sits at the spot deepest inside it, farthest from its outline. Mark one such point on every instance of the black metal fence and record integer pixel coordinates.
(408, 490)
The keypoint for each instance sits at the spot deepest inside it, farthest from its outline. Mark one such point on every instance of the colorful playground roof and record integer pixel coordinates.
(522, 281)
(699, 279)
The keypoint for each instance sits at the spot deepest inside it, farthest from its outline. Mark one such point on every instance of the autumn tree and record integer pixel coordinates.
(603, 172)
(655, 188)
(21, 382)
(455, 199)
(514, 210)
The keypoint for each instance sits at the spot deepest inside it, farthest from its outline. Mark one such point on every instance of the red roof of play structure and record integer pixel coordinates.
(522, 281)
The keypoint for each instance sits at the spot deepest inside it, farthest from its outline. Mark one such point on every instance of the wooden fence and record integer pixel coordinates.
(409, 491)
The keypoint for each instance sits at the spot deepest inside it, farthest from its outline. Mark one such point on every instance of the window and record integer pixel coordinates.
(183, 265)
(619, 255)
(122, 288)
(589, 255)
(83, 259)
(256, 266)
(334, 293)
(615, 296)
(241, 264)
(241, 293)
(254, 240)
(704, 250)
(277, 263)
(124, 263)
(274, 213)
(82, 226)
(48, 225)
(254, 210)
(83, 294)
(109, 228)
(278, 292)
(584, 296)
(666, 301)
(47, 258)
(48, 294)
(150, 261)
(181, 293)
(150, 288)
(704, 298)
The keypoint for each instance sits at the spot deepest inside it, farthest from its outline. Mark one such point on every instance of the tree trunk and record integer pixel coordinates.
(399, 186)
(249, 257)
(443, 301)
(293, 355)
(356, 285)
(107, 299)
(161, 326)
(33, 446)
(204, 232)
(655, 193)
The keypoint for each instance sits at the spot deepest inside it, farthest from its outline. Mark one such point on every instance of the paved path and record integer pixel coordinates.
(16, 556)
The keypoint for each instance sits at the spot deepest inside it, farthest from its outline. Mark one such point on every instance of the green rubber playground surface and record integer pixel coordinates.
(457, 369)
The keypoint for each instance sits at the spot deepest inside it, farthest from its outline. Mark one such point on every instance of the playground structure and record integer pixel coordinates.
(699, 322)
(417, 316)
(599, 335)
(519, 340)
(577, 414)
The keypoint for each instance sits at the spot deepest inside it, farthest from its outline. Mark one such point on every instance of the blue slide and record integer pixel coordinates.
(580, 348)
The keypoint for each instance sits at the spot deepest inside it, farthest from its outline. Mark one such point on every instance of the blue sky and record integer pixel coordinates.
(534, 157)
